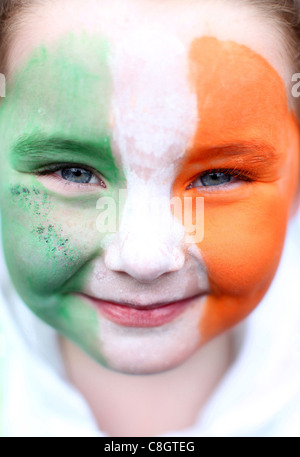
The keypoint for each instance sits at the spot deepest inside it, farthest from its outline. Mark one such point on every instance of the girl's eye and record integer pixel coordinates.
(215, 178)
(78, 176)
(70, 178)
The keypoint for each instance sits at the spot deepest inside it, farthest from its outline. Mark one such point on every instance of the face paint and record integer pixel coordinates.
(49, 232)
(247, 131)
(79, 103)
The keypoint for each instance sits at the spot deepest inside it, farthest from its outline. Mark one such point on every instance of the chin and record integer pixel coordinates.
(148, 366)
(148, 351)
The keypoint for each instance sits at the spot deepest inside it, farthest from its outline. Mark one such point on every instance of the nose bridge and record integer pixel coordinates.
(149, 241)
(154, 118)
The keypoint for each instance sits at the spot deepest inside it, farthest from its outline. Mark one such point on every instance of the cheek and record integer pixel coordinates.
(46, 242)
(48, 247)
(243, 242)
(244, 239)
(241, 250)
(244, 233)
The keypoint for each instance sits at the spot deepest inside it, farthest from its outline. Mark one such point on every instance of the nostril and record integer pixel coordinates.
(145, 262)
(148, 270)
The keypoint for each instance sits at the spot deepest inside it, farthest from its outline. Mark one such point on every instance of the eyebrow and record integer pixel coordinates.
(245, 148)
(29, 151)
(34, 148)
(256, 153)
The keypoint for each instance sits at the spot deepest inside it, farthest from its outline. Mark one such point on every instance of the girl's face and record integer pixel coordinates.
(112, 111)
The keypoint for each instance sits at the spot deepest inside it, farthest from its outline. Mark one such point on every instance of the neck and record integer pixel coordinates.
(156, 404)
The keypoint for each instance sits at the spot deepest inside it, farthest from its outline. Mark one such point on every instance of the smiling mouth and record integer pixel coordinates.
(141, 316)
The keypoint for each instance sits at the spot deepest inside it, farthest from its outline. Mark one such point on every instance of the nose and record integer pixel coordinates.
(149, 242)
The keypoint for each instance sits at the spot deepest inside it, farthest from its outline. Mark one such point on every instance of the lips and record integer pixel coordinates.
(134, 315)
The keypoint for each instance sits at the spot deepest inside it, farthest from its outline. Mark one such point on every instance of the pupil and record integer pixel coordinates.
(215, 179)
(77, 175)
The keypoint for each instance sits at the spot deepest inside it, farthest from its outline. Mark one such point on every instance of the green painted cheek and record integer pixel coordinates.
(50, 240)
(34, 243)
(49, 264)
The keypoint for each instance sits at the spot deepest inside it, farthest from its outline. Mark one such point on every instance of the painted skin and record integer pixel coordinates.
(246, 222)
(52, 247)
(36, 219)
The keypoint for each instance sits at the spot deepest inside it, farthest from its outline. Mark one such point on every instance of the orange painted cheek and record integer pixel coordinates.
(241, 251)
(240, 98)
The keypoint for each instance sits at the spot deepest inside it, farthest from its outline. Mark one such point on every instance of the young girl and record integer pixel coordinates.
(149, 176)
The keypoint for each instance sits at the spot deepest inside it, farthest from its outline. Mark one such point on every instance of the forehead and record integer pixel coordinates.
(151, 76)
(225, 20)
